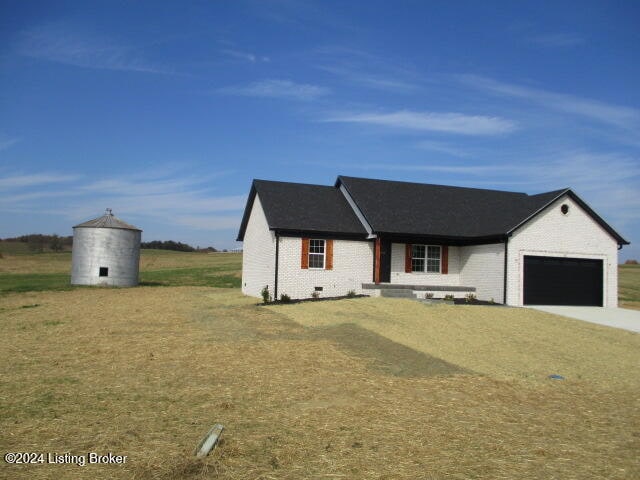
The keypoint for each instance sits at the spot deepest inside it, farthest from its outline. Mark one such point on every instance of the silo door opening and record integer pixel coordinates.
(104, 272)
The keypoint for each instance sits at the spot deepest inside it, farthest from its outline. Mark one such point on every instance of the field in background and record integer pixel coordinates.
(629, 286)
(358, 389)
(21, 272)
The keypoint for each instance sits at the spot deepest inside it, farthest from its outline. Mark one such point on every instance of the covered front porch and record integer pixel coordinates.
(415, 267)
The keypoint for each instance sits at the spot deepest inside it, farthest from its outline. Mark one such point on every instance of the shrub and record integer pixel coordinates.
(492, 301)
(266, 296)
(448, 297)
(631, 261)
(469, 297)
(428, 295)
(351, 293)
(284, 298)
(315, 295)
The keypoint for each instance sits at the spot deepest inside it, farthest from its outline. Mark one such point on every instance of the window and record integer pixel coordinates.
(316, 253)
(104, 272)
(425, 258)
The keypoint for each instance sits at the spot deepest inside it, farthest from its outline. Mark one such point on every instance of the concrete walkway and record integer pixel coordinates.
(611, 317)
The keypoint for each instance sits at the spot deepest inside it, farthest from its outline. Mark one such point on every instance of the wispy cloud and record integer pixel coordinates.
(179, 200)
(559, 40)
(362, 68)
(617, 115)
(448, 122)
(63, 44)
(271, 88)
(36, 179)
(7, 142)
(443, 147)
(245, 56)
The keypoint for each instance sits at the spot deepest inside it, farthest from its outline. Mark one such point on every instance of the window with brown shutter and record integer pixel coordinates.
(304, 258)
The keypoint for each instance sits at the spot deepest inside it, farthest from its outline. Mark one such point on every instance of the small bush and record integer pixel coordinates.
(284, 298)
(266, 296)
(492, 301)
(631, 261)
(428, 295)
(351, 293)
(315, 295)
(469, 297)
(448, 297)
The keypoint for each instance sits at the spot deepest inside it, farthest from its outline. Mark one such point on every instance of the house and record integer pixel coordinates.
(369, 236)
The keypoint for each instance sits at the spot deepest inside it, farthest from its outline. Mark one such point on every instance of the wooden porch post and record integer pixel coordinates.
(376, 267)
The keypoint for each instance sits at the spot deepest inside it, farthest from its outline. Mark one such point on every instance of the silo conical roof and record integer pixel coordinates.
(108, 220)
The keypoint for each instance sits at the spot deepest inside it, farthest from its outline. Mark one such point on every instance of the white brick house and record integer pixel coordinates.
(368, 236)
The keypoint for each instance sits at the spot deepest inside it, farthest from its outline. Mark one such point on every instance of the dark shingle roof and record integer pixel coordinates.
(439, 210)
(401, 208)
(299, 207)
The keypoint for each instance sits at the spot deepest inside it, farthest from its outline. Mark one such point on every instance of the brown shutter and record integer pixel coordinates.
(408, 253)
(304, 258)
(445, 259)
(328, 262)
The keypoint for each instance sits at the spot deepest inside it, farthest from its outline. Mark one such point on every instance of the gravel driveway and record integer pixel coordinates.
(611, 317)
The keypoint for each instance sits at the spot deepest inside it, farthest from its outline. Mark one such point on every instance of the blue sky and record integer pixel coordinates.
(165, 111)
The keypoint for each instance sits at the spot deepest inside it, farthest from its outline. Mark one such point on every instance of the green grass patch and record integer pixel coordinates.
(629, 283)
(34, 282)
(201, 277)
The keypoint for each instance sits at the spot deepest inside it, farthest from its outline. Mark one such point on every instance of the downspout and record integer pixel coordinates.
(275, 281)
(506, 263)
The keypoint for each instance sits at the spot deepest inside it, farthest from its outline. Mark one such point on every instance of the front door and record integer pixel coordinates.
(385, 261)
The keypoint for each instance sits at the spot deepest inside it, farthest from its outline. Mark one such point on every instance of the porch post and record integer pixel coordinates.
(376, 260)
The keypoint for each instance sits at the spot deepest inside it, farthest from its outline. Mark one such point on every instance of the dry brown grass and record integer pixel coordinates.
(505, 343)
(145, 372)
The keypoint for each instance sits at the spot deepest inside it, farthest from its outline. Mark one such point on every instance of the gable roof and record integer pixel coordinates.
(300, 207)
(402, 209)
(441, 211)
(405, 208)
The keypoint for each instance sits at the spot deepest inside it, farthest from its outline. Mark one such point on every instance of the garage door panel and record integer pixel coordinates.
(562, 281)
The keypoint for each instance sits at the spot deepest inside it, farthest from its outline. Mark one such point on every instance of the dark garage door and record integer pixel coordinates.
(562, 281)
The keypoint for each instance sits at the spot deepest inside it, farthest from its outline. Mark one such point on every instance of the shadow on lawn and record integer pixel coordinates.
(385, 355)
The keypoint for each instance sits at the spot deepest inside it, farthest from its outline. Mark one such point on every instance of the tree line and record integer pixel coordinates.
(37, 242)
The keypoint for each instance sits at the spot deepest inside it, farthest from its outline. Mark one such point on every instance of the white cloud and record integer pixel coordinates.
(447, 122)
(278, 89)
(7, 142)
(37, 179)
(365, 69)
(62, 44)
(172, 201)
(558, 39)
(443, 147)
(620, 116)
(246, 56)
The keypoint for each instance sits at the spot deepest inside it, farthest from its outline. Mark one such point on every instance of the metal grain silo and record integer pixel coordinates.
(106, 251)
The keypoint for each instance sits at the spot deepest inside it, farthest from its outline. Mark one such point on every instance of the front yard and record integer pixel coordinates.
(361, 388)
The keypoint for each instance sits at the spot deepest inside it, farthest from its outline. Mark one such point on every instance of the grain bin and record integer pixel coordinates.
(106, 251)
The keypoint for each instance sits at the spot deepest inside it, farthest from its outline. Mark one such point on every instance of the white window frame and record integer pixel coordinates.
(426, 258)
(318, 254)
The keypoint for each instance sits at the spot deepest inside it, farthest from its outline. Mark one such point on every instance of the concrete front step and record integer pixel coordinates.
(397, 293)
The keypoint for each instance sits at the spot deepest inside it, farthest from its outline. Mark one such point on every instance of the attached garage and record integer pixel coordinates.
(562, 281)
